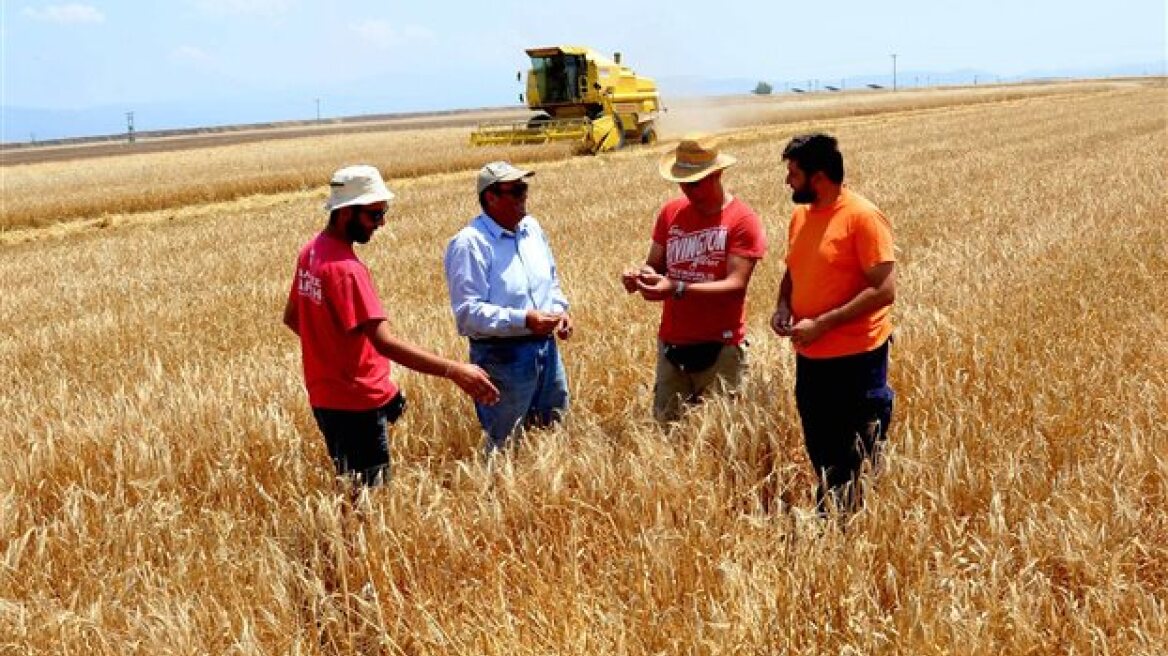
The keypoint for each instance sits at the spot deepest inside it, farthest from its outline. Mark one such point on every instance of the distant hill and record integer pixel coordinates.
(405, 94)
(683, 86)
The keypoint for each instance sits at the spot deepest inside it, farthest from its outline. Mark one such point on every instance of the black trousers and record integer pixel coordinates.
(845, 405)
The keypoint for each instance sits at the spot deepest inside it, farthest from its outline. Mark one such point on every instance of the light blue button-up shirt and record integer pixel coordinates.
(495, 276)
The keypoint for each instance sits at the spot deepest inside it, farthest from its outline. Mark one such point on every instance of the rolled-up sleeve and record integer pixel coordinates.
(467, 263)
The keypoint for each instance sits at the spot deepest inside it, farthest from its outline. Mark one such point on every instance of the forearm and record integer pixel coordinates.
(739, 270)
(867, 301)
(784, 298)
(655, 258)
(473, 315)
(559, 301)
(408, 355)
(714, 288)
(481, 318)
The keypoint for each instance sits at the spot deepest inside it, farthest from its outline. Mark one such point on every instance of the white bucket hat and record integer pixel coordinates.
(500, 172)
(357, 185)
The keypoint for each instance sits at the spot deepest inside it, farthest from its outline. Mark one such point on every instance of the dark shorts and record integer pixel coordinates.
(358, 440)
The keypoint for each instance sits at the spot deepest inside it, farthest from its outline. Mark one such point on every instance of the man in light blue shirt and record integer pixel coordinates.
(507, 299)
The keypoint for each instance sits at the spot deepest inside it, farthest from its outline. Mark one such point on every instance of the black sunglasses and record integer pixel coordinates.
(517, 190)
(377, 215)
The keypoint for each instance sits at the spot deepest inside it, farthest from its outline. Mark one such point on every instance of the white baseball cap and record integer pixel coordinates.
(357, 185)
(500, 172)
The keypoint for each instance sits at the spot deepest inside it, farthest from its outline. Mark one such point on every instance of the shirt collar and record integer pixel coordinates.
(497, 231)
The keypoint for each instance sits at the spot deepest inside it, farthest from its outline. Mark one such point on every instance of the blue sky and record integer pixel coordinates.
(249, 58)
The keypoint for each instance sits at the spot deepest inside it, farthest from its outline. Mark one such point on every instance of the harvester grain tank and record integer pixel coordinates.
(580, 95)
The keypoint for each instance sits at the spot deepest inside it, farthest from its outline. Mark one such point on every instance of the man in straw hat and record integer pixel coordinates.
(345, 336)
(506, 297)
(705, 245)
(833, 304)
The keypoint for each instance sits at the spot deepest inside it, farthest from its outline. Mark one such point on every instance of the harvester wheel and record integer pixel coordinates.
(538, 121)
(649, 135)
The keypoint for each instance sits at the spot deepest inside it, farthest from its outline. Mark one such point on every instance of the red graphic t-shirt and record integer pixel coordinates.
(697, 249)
(334, 296)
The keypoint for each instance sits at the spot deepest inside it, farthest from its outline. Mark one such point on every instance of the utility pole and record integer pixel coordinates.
(894, 71)
(130, 127)
(318, 110)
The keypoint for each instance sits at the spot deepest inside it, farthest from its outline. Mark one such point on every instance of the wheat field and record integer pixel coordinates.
(165, 491)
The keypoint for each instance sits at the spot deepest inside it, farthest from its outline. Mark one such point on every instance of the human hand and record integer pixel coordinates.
(806, 331)
(654, 286)
(474, 381)
(542, 323)
(629, 280)
(630, 275)
(564, 330)
(781, 321)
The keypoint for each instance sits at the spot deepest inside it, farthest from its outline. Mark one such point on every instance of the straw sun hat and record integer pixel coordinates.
(696, 157)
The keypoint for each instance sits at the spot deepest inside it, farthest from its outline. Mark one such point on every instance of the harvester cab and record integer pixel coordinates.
(580, 95)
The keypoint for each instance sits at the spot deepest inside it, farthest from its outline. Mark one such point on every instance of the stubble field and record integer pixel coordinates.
(165, 491)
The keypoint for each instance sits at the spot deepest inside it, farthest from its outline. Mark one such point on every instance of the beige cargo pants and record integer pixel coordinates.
(675, 389)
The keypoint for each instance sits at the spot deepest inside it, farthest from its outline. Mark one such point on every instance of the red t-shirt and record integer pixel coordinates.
(698, 249)
(334, 295)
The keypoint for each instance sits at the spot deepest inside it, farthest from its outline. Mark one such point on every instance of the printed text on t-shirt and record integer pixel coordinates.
(309, 286)
(704, 248)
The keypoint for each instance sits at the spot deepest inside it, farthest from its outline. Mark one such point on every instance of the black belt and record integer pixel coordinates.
(518, 339)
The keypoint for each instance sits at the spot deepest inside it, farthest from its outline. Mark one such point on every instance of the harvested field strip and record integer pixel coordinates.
(45, 194)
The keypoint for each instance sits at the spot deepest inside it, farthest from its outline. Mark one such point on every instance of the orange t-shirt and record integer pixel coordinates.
(828, 251)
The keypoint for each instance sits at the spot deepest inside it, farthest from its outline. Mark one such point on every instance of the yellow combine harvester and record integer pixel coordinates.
(581, 96)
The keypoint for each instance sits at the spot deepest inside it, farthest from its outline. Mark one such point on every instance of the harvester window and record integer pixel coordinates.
(556, 77)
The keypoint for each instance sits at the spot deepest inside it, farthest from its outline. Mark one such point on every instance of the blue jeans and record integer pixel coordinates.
(533, 387)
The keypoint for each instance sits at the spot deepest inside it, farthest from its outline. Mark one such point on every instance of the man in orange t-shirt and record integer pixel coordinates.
(834, 304)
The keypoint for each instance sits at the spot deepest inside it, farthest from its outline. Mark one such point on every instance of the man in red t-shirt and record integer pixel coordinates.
(345, 336)
(704, 249)
(834, 303)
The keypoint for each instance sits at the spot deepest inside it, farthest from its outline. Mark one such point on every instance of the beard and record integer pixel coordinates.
(804, 195)
(357, 233)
